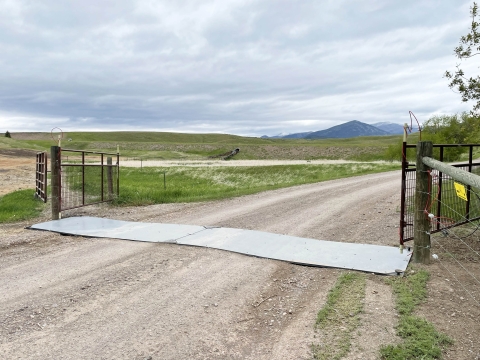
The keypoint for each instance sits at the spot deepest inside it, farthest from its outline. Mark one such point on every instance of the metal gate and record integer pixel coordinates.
(81, 178)
(443, 188)
(41, 176)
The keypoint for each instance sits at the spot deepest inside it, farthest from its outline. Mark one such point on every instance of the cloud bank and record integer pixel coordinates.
(241, 67)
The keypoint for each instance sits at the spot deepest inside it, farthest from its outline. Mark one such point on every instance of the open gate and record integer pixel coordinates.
(81, 178)
(41, 176)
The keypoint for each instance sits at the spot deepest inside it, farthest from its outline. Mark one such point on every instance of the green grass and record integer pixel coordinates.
(9, 143)
(339, 318)
(19, 205)
(187, 184)
(420, 338)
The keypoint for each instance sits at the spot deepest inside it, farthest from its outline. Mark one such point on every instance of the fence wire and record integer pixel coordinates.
(85, 181)
(409, 213)
(456, 244)
(449, 209)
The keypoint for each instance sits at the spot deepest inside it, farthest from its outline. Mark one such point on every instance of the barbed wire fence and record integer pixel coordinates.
(457, 248)
(454, 237)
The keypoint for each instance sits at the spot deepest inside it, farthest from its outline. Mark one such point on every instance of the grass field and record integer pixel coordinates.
(188, 184)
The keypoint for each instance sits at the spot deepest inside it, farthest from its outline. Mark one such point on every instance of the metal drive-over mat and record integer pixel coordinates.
(370, 258)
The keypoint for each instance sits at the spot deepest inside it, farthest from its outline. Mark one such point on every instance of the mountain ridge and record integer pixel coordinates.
(353, 128)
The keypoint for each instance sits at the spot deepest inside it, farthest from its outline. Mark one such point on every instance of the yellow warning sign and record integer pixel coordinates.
(461, 191)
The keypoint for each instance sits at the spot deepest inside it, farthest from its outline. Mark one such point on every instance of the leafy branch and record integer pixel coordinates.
(468, 87)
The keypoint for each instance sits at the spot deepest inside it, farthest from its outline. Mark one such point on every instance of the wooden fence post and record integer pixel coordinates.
(55, 177)
(109, 177)
(421, 249)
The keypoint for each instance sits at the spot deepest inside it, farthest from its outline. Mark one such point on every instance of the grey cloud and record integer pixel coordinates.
(223, 66)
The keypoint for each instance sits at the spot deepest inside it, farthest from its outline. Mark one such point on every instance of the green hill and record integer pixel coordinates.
(166, 145)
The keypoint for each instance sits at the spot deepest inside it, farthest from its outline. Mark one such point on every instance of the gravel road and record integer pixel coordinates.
(64, 297)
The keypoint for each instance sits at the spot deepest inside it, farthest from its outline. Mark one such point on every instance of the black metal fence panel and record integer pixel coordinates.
(446, 207)
(41, 176)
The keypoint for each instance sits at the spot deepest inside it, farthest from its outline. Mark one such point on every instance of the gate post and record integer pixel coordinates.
(402, 195)
(421, 252)
(55, 171)
(109, 177)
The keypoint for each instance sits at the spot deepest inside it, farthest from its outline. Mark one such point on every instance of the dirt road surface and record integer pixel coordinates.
(64, 297)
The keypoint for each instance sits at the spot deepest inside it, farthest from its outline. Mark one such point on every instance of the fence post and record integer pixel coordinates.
(55, 171)
(402, 196)
(421, 227)
(109, 177)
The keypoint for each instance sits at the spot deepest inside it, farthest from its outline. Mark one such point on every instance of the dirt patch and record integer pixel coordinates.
(18, 153)
(35, 135)
(17, 172)
(263, 152)
(378, 321)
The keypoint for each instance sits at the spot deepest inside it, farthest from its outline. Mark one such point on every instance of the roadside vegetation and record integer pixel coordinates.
(340, 316)
(187, 184)
(420, 338)
(462, 128)
(19, 205)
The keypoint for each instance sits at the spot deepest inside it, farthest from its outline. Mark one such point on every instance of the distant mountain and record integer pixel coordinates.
(302, 135)
(389, 127)
(350, 129)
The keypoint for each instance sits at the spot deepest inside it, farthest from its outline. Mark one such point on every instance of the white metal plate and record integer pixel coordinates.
(364, 257)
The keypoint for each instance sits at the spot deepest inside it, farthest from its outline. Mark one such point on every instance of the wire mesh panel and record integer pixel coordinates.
(457, 248)
(449, 210)
(41, 176)
(88, 178)
(448, 205)
(409, 206)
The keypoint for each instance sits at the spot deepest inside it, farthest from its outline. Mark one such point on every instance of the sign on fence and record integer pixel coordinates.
(461, 191)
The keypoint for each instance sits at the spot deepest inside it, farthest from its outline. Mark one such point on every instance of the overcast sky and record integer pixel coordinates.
(246, 67)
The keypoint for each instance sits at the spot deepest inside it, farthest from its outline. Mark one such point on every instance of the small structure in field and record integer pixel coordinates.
(226, 155)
